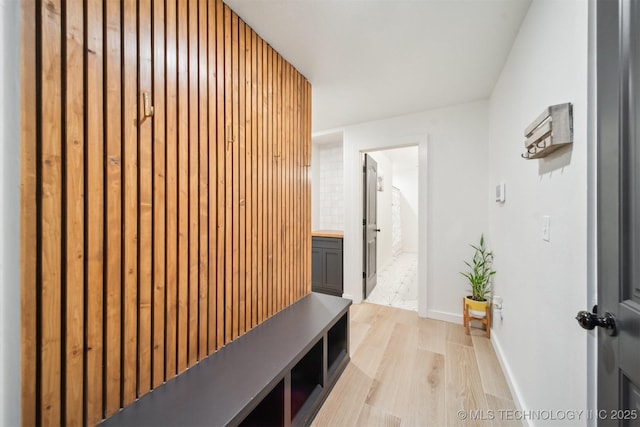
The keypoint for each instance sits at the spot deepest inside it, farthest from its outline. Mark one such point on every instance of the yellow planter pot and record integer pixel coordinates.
(476, 308)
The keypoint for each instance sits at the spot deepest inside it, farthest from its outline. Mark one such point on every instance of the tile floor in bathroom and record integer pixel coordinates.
(397, 284)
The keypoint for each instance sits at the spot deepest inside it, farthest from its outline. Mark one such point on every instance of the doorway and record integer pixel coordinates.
(618, 199)
(353, 150)
(396, 228)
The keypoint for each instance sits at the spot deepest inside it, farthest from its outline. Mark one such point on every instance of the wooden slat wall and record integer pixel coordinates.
(113, 179)
(150, 242)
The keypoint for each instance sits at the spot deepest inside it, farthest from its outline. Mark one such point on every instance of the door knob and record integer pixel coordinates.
(591, 320)
(378, 230)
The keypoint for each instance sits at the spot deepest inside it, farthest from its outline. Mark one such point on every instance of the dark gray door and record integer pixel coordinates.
(370, 226)
(618, 139)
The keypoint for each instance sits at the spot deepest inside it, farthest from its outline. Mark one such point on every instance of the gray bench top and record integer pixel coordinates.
(219, 388)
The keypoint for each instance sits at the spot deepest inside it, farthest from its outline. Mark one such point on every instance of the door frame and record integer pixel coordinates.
(353, 196)
(611, 198)
(592, 203)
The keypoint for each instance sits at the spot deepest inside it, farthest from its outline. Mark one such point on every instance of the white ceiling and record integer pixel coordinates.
(371, 59)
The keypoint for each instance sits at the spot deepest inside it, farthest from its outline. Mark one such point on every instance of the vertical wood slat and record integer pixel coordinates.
(183, 186)
(130, 203)
(307, 233)
(259, 185)
(306, 196)
(295, 181)
(255, 289)
(286, 211)
(192, 354)
(93, 378)
(282, 151)
(145, 199)
(51, 217)
(246, 101)
(266, 183)
(240, 215)
(271, 212)
(293, 170)
(266, 144)
(305, 226)
(298, 178)
(228, 178)
(302, 172)
(73, 212)
(306, 162)
(211, 81)
(160, 242)
(295, 162)
(291, 184)
(159, 195)
(203, 187)
(159, 239)
(292, 237)
(235, 180)
(277, 279)
(279, 282)
(114, 185)
(29, 220)
(221, 149)
(287, 181)
(301, 201)
(296, 184)
(172, 259)
(284, 154)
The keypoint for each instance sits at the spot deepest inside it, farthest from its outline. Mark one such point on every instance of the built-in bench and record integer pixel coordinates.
(279, 373)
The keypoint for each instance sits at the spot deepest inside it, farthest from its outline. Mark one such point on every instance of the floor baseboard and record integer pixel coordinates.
(515, 390)
(447, 317)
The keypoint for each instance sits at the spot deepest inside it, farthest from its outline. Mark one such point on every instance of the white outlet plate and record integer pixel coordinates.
(546, 228)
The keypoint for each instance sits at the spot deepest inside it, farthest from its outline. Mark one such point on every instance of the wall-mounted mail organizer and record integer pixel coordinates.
(552, 129)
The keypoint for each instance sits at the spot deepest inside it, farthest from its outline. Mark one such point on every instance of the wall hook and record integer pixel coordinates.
(146, 102)
(230, 139)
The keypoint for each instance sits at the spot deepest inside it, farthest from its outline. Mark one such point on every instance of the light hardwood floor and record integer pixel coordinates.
(405, 370)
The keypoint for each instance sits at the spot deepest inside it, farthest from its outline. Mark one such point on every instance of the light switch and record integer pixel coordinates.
(500, 193)
(546, 227)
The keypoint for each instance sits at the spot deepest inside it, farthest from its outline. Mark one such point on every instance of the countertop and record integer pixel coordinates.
(338, 234)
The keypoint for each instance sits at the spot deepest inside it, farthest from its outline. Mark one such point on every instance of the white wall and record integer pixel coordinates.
(405, 178)
(328, 186)
(543, 284)
(315, 187)
(9, 213)
(453, 180)
(385, 238)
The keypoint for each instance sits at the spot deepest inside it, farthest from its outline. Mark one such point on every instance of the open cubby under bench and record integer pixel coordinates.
(279, 373)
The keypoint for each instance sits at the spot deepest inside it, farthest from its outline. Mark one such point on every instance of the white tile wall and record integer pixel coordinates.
(331, 194)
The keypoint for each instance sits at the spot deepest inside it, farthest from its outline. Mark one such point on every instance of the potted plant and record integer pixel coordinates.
(479, 275)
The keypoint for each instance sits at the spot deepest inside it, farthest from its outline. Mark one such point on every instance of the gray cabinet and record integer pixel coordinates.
(326, 261)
